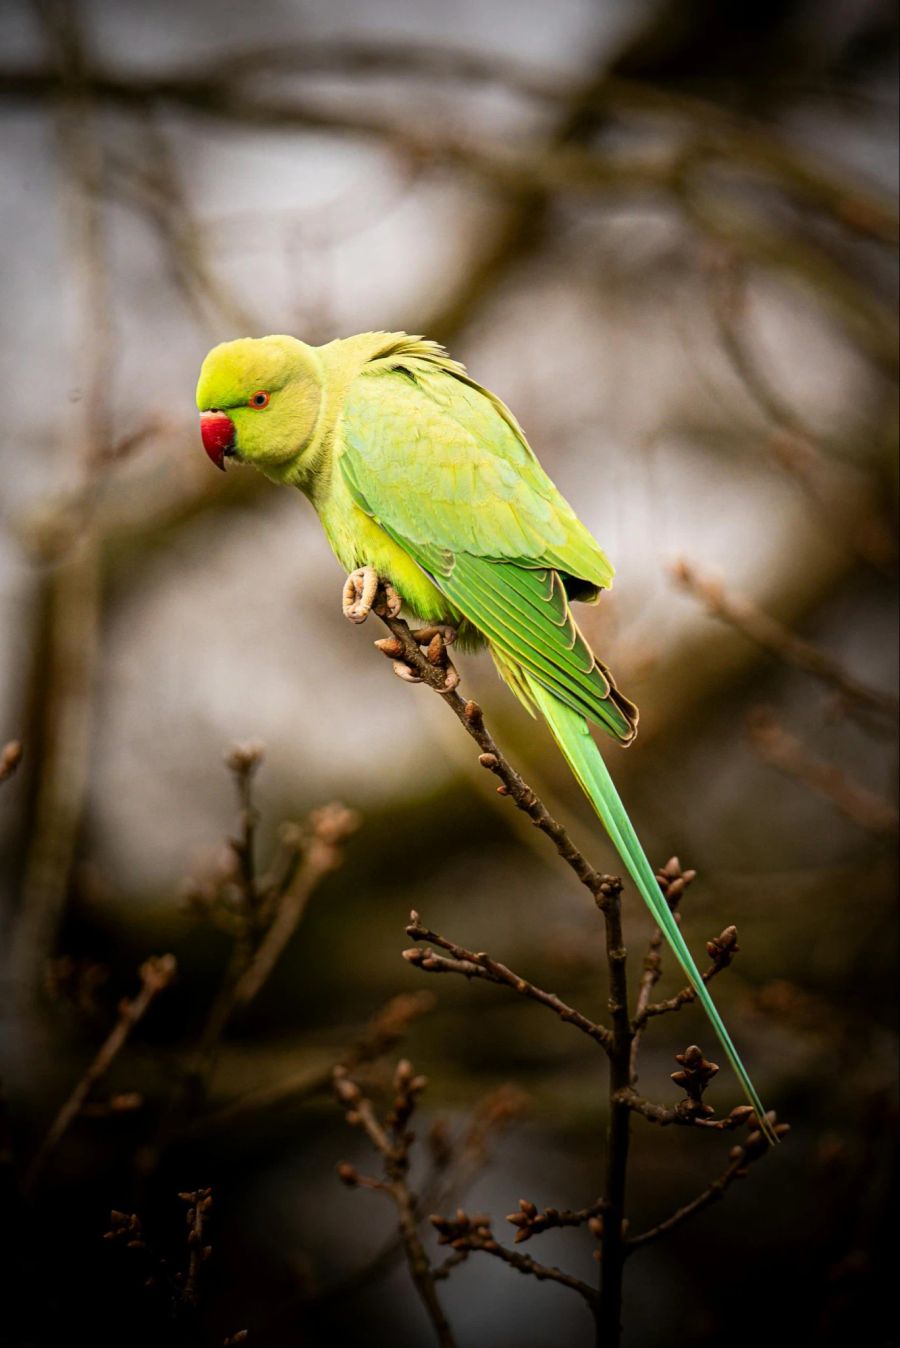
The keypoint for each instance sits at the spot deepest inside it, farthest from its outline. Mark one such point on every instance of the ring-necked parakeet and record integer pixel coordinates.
(417, 471)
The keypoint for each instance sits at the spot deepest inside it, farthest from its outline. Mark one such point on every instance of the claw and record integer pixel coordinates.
(425, 635)
(390, 603)
(360, 589)
(404, 672)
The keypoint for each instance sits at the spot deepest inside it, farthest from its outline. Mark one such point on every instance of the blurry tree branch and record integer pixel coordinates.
(464, 1233)
(150, 183)
(818, 464)
(70, 606)
(455, 1163)
(262, 912)
(782, 750)
(383, 1032)
(392, 1139)
(227, 88)
(740, 1158)
(530, 176)
(10, 758)
(780, 641)
(156, 974)
(179, 1288)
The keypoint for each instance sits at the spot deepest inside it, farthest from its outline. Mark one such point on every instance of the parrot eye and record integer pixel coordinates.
(259, 399)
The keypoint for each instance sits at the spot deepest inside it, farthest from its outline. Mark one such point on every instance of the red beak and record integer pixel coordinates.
(217, 434)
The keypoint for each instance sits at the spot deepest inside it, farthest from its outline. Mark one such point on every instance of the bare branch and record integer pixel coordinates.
(673, 880)
(530, 1222)
(384, 1031)
(392, 1140)
(781, 750)
(156, 974)
(329, 828)
(780, 641)
(465, 1233)
(10, 758)
(479, 964)
(741, 1157)
(722, 950)
(404, 647)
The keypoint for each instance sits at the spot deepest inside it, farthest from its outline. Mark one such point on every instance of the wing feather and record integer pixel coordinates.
(431, 457)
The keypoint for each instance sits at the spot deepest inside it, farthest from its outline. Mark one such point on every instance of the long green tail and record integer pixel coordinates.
(570, 730)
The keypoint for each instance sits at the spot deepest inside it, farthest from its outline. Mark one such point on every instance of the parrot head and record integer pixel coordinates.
(259, 400)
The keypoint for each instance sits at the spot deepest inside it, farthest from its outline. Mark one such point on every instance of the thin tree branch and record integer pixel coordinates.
(673, 880)
(432, 670)
(72, 599)
(384, 1031)
(531, 1222)
(687, 1113)
(472, 964)
(721, 950)
(10, 758)
(781, 750)
(392, 1140)
(464, 1233)
(612, 1253)
(778, 640)
(740, 1158)
(155, 974)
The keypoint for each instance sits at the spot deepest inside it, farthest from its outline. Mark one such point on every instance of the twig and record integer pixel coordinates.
(433, 668)
(722, 950)
(612, 1254)
(156, 974)
(740, 1158)
(383, 1032)
(530, 1222)
(392, 1140)
(777, 747)
(404, 647)
(673, 880)
(794, 445)
(199, 1207)
(464, 1233)
(72, 600)
(10, 758)
(780, 641)
(687, 1113)
(269, 910)
(479, 964)
(180, 1288)
(329, 828)
(455, 1166)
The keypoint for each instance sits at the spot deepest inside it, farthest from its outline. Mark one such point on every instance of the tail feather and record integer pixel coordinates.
(570, 730)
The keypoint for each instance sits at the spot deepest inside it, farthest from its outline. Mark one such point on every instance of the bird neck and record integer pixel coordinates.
(339, 364)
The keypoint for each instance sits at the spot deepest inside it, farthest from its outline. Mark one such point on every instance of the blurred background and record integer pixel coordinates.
(665, 234)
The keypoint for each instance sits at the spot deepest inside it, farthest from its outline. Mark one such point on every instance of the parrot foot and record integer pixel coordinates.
(436, 652)
(435, 640)
(424, 636)
(361, 595)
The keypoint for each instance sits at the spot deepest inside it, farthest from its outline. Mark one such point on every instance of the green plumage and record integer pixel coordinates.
(419, 472)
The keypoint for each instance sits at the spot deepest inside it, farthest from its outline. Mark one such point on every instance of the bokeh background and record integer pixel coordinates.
(665, 233)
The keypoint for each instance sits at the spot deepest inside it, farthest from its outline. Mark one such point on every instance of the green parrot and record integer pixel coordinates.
(424, 478)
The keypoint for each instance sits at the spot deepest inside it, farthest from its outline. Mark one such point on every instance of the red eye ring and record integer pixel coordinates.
(259, 399)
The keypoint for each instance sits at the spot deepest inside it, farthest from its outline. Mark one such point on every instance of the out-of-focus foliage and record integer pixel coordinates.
(665, 234)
